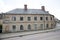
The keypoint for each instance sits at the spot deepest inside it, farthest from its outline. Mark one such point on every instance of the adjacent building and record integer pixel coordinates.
(26, 20)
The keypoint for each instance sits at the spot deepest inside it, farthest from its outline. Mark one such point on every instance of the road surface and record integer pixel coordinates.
(55, 35)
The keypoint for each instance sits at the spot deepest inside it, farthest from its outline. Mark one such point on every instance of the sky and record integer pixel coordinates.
(53, 6)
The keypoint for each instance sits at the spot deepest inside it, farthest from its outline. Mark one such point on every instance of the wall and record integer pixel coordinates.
(10, 22)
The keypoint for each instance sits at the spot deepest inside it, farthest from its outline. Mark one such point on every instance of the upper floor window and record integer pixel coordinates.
(21, 18)
(41, 18)
(14, 18)
(46, 18)
(35, 18)
(29, 18)
(51, 18)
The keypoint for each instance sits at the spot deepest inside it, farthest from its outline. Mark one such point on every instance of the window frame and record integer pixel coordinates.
(29, 27)
(21, 26)
(41, 18)
(29, 18)
(35, 18)
(21, 19)
(46, 18)
(51, 18)
(14, 27)
(14, 18)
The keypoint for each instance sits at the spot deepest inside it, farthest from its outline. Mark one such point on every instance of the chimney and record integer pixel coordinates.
(43, 8)
(25, 7)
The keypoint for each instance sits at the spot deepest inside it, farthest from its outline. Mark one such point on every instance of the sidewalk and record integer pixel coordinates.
(20, 34)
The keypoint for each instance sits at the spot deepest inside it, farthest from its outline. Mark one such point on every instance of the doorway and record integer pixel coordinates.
(0, 28)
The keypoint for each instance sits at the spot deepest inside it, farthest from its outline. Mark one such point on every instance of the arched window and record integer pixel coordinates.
(41, 26)
(29, 27)
(35, 26)
(47, 26)
(21, 27)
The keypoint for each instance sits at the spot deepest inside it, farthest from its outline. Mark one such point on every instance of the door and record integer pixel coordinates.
(0, 28)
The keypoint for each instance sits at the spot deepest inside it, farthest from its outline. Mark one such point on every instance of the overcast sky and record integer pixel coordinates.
(53, 6)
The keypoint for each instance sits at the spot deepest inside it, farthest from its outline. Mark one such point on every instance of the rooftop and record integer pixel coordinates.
(28, 11)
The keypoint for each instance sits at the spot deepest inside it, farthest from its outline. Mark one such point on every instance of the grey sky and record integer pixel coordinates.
(53, 6)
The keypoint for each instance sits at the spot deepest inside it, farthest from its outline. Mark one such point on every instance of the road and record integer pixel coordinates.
(55, 35)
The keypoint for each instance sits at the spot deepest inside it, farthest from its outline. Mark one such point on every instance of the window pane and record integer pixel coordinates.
(41, 18)
(14, 18)
(46, 18)
(21, 27)
(41, 26)
(47, 26)
(29, 27)
(35, 25)
(21, 18)
(29, 18)
(35, 18)
(14, 27)
(51, 18)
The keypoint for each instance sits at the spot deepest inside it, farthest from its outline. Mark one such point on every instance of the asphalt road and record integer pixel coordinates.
(54, 35)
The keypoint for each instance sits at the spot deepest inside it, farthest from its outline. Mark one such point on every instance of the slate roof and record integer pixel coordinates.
(28, 11)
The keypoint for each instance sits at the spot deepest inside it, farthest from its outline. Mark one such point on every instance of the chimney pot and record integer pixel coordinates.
(25, 7)
(43, 8)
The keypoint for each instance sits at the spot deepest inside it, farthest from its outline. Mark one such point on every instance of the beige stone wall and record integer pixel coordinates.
(8, 26)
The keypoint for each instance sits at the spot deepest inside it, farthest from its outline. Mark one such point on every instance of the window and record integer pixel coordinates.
(14, 18)
(41, 26)
(46, 18)
(21, 27)
(35, 25)
(29, 18)
(14, 27)
(47, 26)
(35, 18)
(51, 18)
(21, 18)
(29, 27)
(41, 18)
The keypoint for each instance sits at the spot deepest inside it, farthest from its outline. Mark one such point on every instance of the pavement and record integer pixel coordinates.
(20, 34)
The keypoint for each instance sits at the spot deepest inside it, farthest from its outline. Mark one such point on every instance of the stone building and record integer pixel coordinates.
(26, 20)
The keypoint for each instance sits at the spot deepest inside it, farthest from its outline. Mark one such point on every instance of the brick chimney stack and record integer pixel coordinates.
(43, 8)
(25, 7)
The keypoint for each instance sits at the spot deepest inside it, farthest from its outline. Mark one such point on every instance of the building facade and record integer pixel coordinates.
(27, 20)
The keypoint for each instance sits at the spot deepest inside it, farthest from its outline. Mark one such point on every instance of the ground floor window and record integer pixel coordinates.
(29, 27)
(35, 26)
(21, 27)
(41, 26)
(47, 26)
(14, 27)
